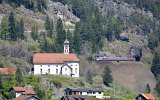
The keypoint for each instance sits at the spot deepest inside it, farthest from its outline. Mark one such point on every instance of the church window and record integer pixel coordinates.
(41, 71)
(65, 69)
(56, 71)
(48, 65)
(48, 71)
(76, 70)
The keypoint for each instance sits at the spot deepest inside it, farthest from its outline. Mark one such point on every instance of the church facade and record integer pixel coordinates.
(57, 63)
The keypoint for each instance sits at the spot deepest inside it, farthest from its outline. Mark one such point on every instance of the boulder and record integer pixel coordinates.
(124, 37)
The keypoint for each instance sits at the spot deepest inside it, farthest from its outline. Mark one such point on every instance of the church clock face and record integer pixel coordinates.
(66, 47)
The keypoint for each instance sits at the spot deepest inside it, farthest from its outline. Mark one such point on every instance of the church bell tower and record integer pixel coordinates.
(66, 47)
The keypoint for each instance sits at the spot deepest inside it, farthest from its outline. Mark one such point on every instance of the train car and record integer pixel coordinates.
(104, 58)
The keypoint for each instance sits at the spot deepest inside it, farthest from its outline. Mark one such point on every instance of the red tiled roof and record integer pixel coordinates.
(19, 89)
(53, 58)
(29, 91)
(7, 71)
(149, 96)
(24, 90)
(25, 97)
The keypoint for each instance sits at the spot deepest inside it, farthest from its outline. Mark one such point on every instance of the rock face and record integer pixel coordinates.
(54, 10)
(136, 52)
(123, 11)
(59, 10)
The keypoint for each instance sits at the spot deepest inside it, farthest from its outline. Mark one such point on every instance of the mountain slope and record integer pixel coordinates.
(133, 75)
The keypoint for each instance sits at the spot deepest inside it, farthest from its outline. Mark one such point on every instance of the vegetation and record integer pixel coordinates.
(107, 77)
(119, 92)
(156, 63)
(18, 76)
(89, 76)
(7, 83)
(11, 28)
(157, 88)
(148, 5)
(148, 89)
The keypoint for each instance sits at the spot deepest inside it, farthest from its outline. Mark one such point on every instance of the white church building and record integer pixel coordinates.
(57, 63)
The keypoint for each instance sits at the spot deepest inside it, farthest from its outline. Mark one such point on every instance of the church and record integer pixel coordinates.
(65, 64)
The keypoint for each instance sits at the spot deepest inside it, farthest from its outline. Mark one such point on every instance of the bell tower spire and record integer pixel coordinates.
(66, 47)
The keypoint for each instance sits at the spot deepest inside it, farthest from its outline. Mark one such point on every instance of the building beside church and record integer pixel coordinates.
(57, 63)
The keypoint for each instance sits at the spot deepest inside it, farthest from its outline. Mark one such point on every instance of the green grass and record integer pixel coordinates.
(119, 92)
(68, 26)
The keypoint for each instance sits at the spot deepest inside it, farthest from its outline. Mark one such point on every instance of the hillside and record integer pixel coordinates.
(133, 75)
(94, 28)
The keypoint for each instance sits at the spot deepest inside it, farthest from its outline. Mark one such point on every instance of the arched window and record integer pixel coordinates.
(56, 71)
(41, 71)
(75, 70)
(48, 71)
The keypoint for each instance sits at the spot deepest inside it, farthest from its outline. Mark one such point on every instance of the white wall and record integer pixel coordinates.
(18, 94)
(96, 94)
(53, 67)
(74, 66)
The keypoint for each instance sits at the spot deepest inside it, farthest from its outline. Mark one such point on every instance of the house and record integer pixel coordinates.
(57, 63)
(97, 92)
(26, 97)
(27, 91)
(6, 71)
(75, 97)
(148, 96)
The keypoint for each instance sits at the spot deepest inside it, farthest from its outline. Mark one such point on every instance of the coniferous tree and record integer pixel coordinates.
(34, 33)
(1, 65)
(61, 35)
(107, 77)
(18, 76)
(89, 76)
(70, 39)
(157, 88)
(77, 43)
(43, 43)
(153, 41)
(21, 29)
(41, 4)
(12, 27)
(49, 26)
(148, 89)
(0, 82)
(4, 34)
(155, 68)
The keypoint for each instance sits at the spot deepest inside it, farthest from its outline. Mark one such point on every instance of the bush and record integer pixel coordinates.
(57, 83)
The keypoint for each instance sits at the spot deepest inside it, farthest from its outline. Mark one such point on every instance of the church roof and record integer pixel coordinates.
(48, 58)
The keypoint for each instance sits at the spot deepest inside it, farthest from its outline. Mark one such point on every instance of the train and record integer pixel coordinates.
(105, 58)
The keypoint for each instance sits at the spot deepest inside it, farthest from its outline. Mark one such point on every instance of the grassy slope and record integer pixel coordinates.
(133, 75)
